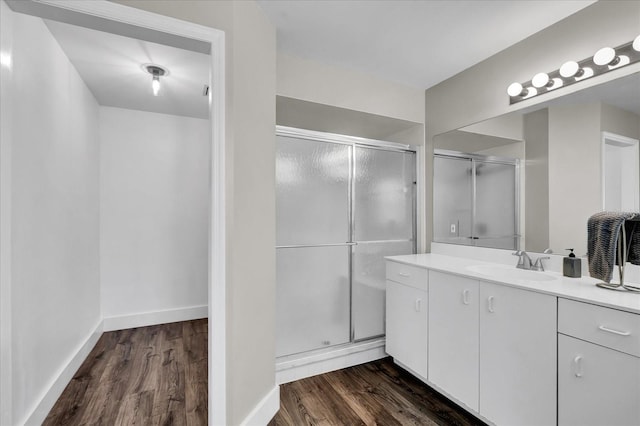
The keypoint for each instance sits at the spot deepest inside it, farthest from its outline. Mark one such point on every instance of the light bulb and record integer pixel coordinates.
(155, 85)
(515, 89)
(540, 80)
(636, 44)
(570, 69)
(605, 56)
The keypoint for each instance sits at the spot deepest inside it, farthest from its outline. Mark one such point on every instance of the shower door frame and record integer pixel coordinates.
(473, 158)
(353, 142)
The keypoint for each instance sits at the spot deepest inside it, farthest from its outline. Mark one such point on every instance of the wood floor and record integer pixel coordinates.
(144, 376)
(158, 376)
(376, 393)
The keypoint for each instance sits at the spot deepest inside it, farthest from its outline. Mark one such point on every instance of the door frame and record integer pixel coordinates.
(614, 139)
(107, 10)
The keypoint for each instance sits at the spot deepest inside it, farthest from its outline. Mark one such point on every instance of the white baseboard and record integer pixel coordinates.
(62, 379)
(123, 322)
(299, 367)
(265, 410)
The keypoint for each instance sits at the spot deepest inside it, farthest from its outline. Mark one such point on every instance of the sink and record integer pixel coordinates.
(511, 273)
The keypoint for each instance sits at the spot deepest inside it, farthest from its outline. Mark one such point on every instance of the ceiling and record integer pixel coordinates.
(418, 43)
(111, 67)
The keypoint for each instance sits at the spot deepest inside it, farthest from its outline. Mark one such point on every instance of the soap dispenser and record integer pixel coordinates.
(571, 265)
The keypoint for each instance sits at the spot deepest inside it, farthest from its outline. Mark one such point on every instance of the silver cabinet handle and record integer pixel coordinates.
(465, 297)
(577, 364)
(490, 304)
(404, 274)
(611, 330)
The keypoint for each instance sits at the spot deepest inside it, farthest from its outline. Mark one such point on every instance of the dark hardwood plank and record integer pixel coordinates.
(169, 406)
(72, 405)
(194, 337)
(376, 393)
(147, 375)
(362, 399)
(434, 404)
(158, 375)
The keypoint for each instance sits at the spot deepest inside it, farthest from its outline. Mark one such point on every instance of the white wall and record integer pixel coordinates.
(154, 212)
(54, 202)
(6, 127)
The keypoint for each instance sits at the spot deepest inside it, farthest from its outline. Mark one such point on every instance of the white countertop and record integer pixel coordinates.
(581, 289)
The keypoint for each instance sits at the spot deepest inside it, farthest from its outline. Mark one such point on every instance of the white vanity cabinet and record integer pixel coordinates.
(406, 316)
(518, 350)
(598, 365)
(493, 348)
(454, 347)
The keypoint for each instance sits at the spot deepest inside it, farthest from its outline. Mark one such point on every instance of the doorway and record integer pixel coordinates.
(107, 16)
(620, 173)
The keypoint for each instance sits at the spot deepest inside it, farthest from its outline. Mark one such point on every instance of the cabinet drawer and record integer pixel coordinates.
(413, 276)
(604, 326)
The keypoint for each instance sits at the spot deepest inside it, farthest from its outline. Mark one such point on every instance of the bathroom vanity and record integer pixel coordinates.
(515, 346)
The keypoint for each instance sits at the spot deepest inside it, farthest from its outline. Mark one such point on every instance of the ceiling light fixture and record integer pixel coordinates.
(571, 69)
(541, 80)
(606, 56)
(156, 71)
(516, 89)
(605, 60)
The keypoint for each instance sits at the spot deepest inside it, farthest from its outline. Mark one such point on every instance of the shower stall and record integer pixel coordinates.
(475, 200)
(342, 204)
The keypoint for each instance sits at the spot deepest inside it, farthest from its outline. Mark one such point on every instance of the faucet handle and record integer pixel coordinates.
(538, 266)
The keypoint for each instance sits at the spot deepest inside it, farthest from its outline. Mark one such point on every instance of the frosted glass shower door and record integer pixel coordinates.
(495, 219)
(384, 223)
(452, 200)
(313, 244)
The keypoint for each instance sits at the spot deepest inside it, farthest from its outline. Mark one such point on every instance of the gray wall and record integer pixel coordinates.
(536, 187)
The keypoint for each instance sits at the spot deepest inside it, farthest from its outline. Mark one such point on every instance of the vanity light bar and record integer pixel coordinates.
(605, 60)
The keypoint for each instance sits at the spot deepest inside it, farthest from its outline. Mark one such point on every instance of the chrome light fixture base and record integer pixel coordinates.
(605, 60)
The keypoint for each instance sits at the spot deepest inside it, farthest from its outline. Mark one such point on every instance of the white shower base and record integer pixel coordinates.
(299, 366)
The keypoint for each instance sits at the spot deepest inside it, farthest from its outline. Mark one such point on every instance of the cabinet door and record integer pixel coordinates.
(453, 336)
(407, 326)
(518, 344)
(596, 385)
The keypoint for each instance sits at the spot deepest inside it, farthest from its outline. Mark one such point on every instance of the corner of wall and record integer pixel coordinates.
(265, 410)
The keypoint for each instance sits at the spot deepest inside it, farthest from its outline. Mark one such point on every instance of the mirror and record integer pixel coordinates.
(578, 155)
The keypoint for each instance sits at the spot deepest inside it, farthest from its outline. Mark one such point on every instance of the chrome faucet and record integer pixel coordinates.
(524, 261)
(538, 266)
